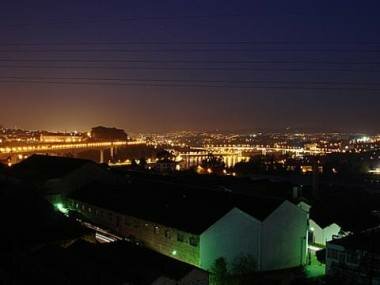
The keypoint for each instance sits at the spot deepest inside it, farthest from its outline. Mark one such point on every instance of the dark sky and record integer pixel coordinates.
(167, 65)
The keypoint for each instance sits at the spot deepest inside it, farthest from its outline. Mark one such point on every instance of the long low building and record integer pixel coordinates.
(197, 225)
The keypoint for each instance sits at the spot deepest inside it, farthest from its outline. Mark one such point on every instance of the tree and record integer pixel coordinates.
(321, 256)
(219, 272)
(143, 163)
(216, 164)
(244, 264)
(244, 268)
(134, 163)
(163, 155)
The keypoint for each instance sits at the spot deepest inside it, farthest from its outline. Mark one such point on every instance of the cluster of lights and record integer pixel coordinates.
(375, 171)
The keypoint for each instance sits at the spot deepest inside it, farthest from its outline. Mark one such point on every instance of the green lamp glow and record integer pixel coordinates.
(61, 208)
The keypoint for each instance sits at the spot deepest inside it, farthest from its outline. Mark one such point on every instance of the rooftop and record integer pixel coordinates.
(368, 240)
(186, 207)
(40, 168)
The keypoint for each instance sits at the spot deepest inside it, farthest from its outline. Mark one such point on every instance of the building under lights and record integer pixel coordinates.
(60, 138)
(197, 225)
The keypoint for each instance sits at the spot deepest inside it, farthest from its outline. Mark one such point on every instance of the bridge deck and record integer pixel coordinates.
(36, 148)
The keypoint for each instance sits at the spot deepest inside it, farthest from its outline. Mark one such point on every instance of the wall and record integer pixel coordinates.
(341, 264)
(160, 238)
(284, 238)
(163, 239)
(235, 234)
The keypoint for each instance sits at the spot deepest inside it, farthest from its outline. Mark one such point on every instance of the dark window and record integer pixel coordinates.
(156, 230)
(352, 257)
(193, 241)
(332, 253)
(168, 234)
(180, 237)
(342, 257)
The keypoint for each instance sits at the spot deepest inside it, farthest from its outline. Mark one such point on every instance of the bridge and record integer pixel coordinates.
(238, 148)
(14, 151)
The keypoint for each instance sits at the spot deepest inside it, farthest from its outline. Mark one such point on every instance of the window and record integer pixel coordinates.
(352, 257)
(342, 257)
(156, 229)
(180, 237)
(168, 234)
(332, 253)
(193, 241)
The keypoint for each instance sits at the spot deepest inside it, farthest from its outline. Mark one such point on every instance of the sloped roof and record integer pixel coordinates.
(191, 209)
(368, 241)
(28, 218)
(40, 168)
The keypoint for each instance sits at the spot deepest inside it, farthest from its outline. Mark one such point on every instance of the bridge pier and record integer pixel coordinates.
(101, 160)
(112, 153)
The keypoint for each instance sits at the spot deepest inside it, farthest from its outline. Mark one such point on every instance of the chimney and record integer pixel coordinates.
(315, 180)
(295, 192)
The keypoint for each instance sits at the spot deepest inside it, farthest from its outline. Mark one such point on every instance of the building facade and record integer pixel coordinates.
(169, 241)
(320, 235)
(355, 259)
(277, 242)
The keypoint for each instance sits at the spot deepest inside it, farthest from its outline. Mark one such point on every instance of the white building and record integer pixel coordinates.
(321, 234)
(276, 242)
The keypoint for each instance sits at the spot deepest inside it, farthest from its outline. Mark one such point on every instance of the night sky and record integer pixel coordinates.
(199, 65)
